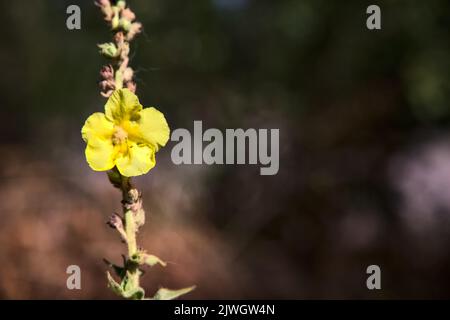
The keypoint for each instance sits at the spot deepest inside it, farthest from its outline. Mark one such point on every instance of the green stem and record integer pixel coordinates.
(130, 230)
(119, 79)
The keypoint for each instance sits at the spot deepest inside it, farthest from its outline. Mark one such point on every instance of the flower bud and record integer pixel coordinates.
(119, 38)
(135, 28)
(105, 7)
(115, 221)
(121, 4)
(128, 74)
(125, 24)
(106, 85)
(107, 72)
(102, 3)
(115, 22)
(128, 14)
(131, 85)
(103, 85)
(109, 50)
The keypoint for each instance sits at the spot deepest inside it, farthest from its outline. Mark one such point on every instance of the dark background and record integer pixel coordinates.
(364, 149)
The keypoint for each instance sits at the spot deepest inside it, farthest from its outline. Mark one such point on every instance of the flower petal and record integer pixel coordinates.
(137, 161)
(97, 126)
(122, 105)
(100, 154)
(153, 127)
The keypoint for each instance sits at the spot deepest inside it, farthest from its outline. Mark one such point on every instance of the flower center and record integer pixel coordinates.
(119, 136)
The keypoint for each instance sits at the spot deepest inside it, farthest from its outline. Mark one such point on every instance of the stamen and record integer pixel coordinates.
(119, 136)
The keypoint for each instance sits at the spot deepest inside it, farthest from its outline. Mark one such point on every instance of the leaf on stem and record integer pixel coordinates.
(152, 260)
(167, 294)
(115, 287)
(127, 289)
(120, 271)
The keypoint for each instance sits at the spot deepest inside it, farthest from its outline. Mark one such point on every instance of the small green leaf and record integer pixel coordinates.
(109, 50)
(134, 293)
(167, 294)
(128, 289)
(152, 260)
(115, 287)
(120, 271)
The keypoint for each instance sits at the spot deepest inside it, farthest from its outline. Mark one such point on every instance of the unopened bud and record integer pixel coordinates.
(128, 14)
(107, 72)
(116, 222)
(128, 74)
(102, 3)
(125, 24)
(121, 4)
(115, 21)
(131, 85)
(135, 28)
(109, 50)
(119, 38)
(106, 85)
(105, 7)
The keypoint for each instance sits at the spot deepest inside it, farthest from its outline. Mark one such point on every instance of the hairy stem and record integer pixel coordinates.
(130, 230)
(132, 208)
(131, 203)
(130, 227)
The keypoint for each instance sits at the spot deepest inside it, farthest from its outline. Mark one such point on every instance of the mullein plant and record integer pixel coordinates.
(123, 141)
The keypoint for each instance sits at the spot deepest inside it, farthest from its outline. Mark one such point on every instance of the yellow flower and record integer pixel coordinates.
(126, 135)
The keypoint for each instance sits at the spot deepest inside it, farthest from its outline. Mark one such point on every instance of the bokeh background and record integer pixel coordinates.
(364, 119)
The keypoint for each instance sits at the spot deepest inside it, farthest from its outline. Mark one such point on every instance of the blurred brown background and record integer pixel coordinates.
(364, 149)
